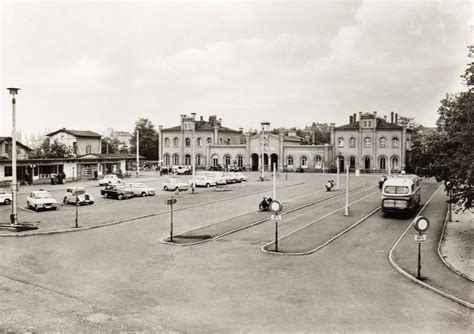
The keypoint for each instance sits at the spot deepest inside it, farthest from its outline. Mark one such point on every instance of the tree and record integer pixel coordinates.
(409, 122)
(110, 145)
(148, 139)
(448, 153)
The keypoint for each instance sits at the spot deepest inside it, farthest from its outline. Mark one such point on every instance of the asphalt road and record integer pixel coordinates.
(121, 278)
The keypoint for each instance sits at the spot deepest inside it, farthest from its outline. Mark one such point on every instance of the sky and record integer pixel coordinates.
(96, 65)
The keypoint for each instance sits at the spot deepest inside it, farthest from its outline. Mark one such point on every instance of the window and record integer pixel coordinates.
(304, 161)
(220, 141)
(167, 142)
(365, 124)
(367, 142)
(317, 161)
(215, 160)
(227, 141)
(175, 159)
(395, 142)
(198, 160)
(209, 140)
(167, 158)
(289, 161)
(340, 142)
(240, 161)
(226, 160)
(383, 142)
(88, 149)
(187, 142)
(74, 147)
(395, 163)
(396, 190)
(8, 171)
(382, 163)
(175, 142)
(370, 124)
(187, 160)
(199, 142)
(352, 142)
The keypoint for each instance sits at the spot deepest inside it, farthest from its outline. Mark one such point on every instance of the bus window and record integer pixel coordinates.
(396, 190)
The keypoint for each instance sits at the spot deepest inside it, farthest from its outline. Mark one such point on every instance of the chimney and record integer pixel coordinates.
(193, 114)
(385, 117)
(351, 119)
(202, 118)
(355, 117)
(396, 118)
(360, 115)
(375, 115)
(241, 130)
(391, 117)
(220, 121)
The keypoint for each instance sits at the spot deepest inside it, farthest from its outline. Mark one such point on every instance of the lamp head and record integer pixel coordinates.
(13, 91)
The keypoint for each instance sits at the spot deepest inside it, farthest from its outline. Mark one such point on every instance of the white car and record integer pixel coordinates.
(5, 197)
(203, 181)
(219, 177)
(241, 176)
(174, 183)
(110, 179)
(41, 199)
(232, 177)
(140, 189)
(79, 194)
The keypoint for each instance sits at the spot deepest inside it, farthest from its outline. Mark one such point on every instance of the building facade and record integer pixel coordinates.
(79, 142)
(22, 150)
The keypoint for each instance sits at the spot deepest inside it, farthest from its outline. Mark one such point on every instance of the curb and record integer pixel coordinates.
(164, 240)
(84, 228)
(443, 259)
(324, 244)
(412, 278)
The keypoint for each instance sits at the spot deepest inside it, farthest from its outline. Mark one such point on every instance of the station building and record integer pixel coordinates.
(370, 144)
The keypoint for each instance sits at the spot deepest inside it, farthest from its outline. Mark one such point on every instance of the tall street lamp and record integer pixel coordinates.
(13, 216)
(265, 127)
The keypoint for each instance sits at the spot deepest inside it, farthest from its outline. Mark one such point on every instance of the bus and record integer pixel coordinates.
(401, 193)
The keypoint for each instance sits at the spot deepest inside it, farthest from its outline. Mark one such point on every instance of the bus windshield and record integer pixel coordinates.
(396, 190)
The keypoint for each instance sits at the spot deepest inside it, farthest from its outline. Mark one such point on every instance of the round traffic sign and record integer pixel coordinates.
(421, 224)
(276, 206)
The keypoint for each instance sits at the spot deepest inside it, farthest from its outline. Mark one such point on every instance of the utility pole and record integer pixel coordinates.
(193, 162)
(138, 149)
(346, 207)
(274, 181)
(13, 216)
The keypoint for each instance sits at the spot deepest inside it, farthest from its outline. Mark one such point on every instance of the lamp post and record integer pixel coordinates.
(346, 207)
(193, 162)
(265, 126)
(339, 157)
(13, 216)
(138, 148)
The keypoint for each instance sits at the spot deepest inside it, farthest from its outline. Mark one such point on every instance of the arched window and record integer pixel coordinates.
(383, 143)
(289, 161)
(220, 141)
(199, 142)
(304, 161)
(167, 158)
(187, 142)
(209, 140)
(228, 141)
(395, 163)
(187, 160)
(317, 162)
(167, 142)
(382, 163)
(240, 161)
(175, 159)
(367, 142)
(367, 162)
(175, 141)
(352, 162)
(226, 160)
(395, 142)
(198, 160)
(352, 142)
(215, 160)
(340, 142)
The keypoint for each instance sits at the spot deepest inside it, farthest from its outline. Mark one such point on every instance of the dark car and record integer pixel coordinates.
(116, 191)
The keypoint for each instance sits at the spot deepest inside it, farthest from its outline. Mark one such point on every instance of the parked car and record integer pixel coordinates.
(118, 191)
(232, 177)
(203, 181)
(110, 179)
(174, 183)
(41, 199)
(77, 193)
(242, 176)
(5, 197)
(182, 170)
(140, 189)
(219, 177)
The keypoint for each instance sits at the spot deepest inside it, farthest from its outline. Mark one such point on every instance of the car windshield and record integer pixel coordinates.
(79, 192)
(396, 190)
(43, 195)
(173, 180)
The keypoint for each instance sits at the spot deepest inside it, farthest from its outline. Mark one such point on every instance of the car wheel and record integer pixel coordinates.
(36, 208)
(120, 196)
(65, 200)
(7, 201)
(176, 189)
(143, 194)
(91, 203)
(165, 188)
(55, 208)
(207, 185)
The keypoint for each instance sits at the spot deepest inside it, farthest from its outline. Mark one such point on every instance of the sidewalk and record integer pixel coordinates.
(456, 248)
(434, 271)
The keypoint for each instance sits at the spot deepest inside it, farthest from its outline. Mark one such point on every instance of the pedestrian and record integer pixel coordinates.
(27, 178)
(95, 174)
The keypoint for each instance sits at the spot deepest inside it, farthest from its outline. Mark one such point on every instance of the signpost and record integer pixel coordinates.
(77, 211)
(276, 207)
(421, 225)
(170, 202)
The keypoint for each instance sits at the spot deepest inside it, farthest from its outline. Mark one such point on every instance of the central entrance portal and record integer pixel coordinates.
(254, 162)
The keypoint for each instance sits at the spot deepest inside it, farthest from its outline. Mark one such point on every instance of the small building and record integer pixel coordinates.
(123, 137)
(22, 150)
(79, 142)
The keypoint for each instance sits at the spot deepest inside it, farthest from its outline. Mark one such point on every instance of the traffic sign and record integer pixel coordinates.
(170, 201)
(421, 224)
(276, 217)
(276, 206)
(420, 238)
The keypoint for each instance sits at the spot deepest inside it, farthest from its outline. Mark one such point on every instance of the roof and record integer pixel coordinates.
(112, 156)
(2, 139)
(382, 124)
(77, 133)
(203, 125)
(295, 139)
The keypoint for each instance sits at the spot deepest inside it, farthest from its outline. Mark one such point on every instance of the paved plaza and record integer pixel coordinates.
(119, 271)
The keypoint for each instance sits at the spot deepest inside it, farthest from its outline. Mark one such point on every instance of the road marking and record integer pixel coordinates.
(27, 209)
